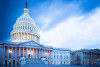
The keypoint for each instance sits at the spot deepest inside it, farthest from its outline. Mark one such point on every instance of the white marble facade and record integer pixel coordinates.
(25, 43)
(60, 56)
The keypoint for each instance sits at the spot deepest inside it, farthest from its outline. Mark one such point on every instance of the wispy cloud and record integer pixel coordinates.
(75, 32)
(68, 26)
(49, 14)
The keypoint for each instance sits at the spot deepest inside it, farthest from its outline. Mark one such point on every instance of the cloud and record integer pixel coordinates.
(48, 15)
(76, 32)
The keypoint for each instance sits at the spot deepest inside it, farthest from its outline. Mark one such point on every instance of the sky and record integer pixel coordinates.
(71, 24)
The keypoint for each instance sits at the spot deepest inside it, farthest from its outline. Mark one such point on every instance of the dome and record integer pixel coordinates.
(24, 29)
(25, 18)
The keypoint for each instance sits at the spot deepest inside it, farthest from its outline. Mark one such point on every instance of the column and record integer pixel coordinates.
(26, 53)
(33, 52)
(8, 62)
(39, 53)
(23, 51)
(21, 36)
(18, 35)
(11, 62)
(14, 37)
(15, 62)
(8, 53)
(12, 52)
(42, 53)
(4, 52)
(4, 56)
(3, 61)
(49, 54)
(24, 36)
(19, 51)
(15, 52)
(30, 52)
(31, 36)
(27, 36)
(36, 53)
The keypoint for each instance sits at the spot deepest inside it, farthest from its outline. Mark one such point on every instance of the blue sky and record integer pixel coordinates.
(72, 24)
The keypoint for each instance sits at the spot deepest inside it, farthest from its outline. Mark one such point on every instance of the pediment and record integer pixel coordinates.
(32, 43)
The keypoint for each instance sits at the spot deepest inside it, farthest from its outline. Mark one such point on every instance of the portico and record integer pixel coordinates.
(36, 51)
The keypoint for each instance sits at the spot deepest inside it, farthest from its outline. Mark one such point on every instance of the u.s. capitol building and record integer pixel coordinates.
(25, 47)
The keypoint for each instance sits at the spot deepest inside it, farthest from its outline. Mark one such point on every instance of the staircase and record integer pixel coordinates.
(34, 61)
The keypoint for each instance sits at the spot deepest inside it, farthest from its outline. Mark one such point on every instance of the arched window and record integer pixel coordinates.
(54, 56)
(28, 27)
(17, 28)
(32, 29)
(66, 57)
(23, 27)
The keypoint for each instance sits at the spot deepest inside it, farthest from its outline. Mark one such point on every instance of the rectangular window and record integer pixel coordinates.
(60, 57)
(57, 57)
(66, 57)
(54, 57)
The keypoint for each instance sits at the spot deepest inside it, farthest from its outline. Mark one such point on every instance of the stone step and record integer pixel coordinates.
(34, 61)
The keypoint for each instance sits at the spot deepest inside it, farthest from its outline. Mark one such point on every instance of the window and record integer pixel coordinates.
(28, 27)
(66, 57)
(60, 57)
(64, 62)
(23, 27)
(17, 28)
(57, 57)
(54, 56)
(32, 29)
